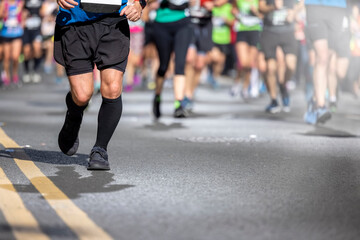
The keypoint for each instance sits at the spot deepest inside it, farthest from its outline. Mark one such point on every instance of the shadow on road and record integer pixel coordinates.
(329, 132)
(72, 184)
(67, 179)
(51, 157)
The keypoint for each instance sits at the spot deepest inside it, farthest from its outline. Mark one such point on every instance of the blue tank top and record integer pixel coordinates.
(12, 23)
(76, 14)
(328, 3)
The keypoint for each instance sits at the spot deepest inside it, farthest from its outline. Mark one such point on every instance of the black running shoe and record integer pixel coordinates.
(98, 159)
(68, 139)
(180, 112)
(156, 106)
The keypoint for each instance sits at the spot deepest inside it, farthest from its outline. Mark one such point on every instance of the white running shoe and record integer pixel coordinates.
(26, 78)
(36, 78)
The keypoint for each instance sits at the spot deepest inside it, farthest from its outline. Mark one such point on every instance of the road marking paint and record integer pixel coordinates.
(76, 219)
(22, 222)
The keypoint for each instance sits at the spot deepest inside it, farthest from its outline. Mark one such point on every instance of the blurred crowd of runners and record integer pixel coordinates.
(263, 46)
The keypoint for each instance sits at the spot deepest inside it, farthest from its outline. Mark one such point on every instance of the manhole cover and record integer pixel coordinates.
(250, 139)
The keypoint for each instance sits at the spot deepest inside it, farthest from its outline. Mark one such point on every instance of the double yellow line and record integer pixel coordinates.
(23, 223)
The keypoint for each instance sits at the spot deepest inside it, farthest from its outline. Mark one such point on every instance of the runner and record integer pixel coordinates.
(11, 33)
(1, 47)
(133, 67)
(84, 38)
(329, 34)
(172, 33)
(32, 41)
(354, 69)
(200, 46)
(223, 21)
(49, 11)
(248, 27)
(278, 32)
(150, 55)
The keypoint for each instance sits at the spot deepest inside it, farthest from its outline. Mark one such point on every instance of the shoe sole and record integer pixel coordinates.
(72, 150)
(324, 118)
(274, 110)
(286, 109)
(98, 167)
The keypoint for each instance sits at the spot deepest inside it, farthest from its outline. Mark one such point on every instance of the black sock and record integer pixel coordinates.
(75, 111)
(26, 66)
(108, 118)
(37, 62)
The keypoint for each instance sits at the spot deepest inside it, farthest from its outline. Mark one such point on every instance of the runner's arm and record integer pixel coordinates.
(265, 8)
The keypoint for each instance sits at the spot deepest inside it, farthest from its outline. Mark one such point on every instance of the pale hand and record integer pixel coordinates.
(67, 4)
(132, 11)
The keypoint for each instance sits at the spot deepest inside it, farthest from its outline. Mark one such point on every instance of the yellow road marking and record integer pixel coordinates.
(76, 219)
(22, 222)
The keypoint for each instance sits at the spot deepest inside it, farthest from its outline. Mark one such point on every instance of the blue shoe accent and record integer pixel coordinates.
(187, 104)
(286, 104)
(310, 115)
(323, 115)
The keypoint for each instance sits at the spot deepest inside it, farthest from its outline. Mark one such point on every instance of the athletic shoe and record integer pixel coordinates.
(211, 81)
(187, 104)
(286, 104)
(310, 117)
(332, 106)
(98, 159)
(16, 79)
(128, 88)
(322, 115)
(26, 78)
(273, 107)
(36, 78)
(156, 106)
(5, 80)
(235, 90)
(68, 139)
(310, 114)
(48, 68)
(180, 112)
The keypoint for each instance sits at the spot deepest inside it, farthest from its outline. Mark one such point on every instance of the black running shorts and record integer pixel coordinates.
(104, 42)
(252, 38)
(271, 40)
(329, 23)
(30, 36)
(201, 37)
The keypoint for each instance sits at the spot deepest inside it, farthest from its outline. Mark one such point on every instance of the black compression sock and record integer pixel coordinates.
(108, 118)
(75, 111)
(37, 62)
(26, 66)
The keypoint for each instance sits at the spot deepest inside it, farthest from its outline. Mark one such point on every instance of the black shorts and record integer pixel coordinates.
(270, 40)
(9, 39)
(149, 33)
(104, 42)
(329, 25)
(250, 37)
(30, 36)
(201, 37)
(224, 48)
(172, 37)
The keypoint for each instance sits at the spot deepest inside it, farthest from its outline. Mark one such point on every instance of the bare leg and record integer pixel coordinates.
(320, 71)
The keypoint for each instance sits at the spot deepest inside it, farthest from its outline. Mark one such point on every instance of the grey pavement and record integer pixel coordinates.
(230, 171)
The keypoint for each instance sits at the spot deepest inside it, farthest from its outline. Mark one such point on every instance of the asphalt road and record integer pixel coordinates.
(230, 171)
